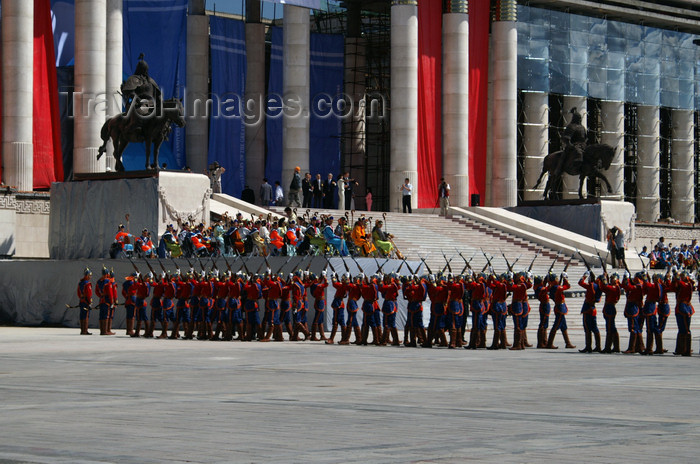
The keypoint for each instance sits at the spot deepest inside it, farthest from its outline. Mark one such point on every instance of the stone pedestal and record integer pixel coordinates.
(85, 215)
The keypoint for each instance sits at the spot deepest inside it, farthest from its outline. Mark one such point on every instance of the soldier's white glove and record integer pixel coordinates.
(470, 272)
(564, 275)
(674, 269)
(586, 274)
(626, 274)
(323, 273)
(529, 275)
(510, 275)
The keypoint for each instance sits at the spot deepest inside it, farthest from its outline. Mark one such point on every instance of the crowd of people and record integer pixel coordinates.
(265, 236)
(225, 305)
(665, 255)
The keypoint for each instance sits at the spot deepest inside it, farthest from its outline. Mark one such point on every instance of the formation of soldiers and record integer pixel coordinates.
(219, 305)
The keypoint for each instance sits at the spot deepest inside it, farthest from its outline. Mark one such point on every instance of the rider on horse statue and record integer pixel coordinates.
(573, 142)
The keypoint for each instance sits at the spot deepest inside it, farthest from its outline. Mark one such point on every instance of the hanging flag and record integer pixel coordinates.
(228, 74)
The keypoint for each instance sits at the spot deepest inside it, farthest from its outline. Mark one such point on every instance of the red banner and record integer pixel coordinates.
(429, 102)
(48, 160)
(478, 95)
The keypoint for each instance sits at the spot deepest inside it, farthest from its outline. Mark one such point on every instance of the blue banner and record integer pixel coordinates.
(158, 29)
(273, 122)
(228, 74)
(327, 66)
(63, 19)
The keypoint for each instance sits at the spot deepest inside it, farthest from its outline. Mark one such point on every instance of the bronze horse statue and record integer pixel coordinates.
(152, 128)
(596, 157)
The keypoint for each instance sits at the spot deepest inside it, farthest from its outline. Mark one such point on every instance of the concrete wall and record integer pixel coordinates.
(24, 226)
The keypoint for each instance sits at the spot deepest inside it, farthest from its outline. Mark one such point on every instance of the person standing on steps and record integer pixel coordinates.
(444, 196)
(294, 188)
(406, 189)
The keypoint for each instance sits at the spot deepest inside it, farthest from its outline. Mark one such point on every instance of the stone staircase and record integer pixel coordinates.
(429, 235)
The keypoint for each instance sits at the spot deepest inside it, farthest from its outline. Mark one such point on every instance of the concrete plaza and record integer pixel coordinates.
(78, 399)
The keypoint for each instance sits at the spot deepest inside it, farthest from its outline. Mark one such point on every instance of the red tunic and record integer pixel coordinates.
(390, 291)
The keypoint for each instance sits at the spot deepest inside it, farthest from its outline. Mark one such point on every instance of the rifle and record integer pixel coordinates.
(408, 266)
(380, 267)
(227, 264)
(131, 260)
(161, 265)
(602, 263)
(357, 264)
(425, 264)
(567, 264)
(510, 267)
(553, 262)
(403, 261)
(447, 262)
(533, 261)
(150, 267)
(488, 261)
(289, 258)
(330, 264)
(245, 266)
(308, 266)
(466, 263)
(347, 269)
(260, 267)
(588, 267)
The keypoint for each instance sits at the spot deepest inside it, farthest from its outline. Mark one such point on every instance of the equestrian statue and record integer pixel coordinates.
(578, 158)
(148, 118)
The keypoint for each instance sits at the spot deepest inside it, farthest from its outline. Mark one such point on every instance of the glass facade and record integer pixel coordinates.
(579, 55)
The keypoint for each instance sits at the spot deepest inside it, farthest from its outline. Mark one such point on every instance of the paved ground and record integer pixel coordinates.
(67, 398)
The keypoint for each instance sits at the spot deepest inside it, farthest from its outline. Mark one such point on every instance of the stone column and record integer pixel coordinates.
(570, 183)
(613, 133)
(115, 53)
(197, 128)
(648, 150)
(455, 100)
(535, 142)
(255, 94)
(682, 166)
(90, 84)
(295, 120)
(354, 126)
(17, 93)
(504, 182)
(404, 100)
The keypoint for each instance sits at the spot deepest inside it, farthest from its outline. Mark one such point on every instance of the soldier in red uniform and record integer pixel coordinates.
(286, 304)
(556, 292)
(653, 289)
(390, 291)
(299, 286)
(683, 286)
(157, 305)
(590, 325)
(635, 294)
(541, 286)
(103, 290)
(183, 293)
(143, 290)
(113, 288)
(167, 303)
(272, 292)
(338, 305)
(85, 295)
(437, 292)
(235, 308)
(664, 310)
(499, 311)
(318, 292)
(455, 310)
(519, 308)
(354, 294)
(370, 295)
(220, 303)
(416, 293)
(611, 288)
(129, 293)
(477, 286)
(253, 292)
